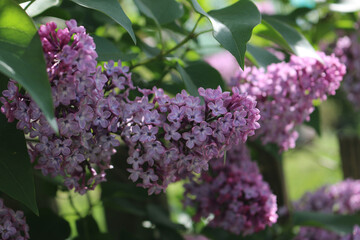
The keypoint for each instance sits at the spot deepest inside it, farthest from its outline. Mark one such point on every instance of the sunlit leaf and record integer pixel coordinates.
(40, 6)
(161, 11)
(233, 25)
(111, 8)
(21, 56)
(285, 36)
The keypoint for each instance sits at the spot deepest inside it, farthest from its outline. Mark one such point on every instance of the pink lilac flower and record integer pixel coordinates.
(347, 49)
(340, 198)
(85, 109)
(234, 193)
(285, 93)
(12, 224)
(177, 136)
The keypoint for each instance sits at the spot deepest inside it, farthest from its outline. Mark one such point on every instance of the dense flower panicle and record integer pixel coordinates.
(347, 49)
(234, 193)
(86, 114)
(340, 198)
(285, 93)
(12, 224)
(169, 138)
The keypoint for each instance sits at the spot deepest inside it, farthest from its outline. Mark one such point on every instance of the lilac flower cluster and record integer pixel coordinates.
(234, 193)
(12, 224)
(285, 93)
(340, 198)
(169, 138)
(348, 50)
(85, 108)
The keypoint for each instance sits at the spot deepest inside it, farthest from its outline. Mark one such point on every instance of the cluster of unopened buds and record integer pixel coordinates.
(169, 138)
(84, 108)
(285, 93)
(12, 224)
(233, 194)
(340, 198)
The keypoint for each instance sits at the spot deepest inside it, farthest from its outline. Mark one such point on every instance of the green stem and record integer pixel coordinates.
(73, 206)
(190, 36)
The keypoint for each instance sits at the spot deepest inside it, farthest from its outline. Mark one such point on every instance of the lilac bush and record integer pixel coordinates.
(234, 193)
(285, 93)
(86, 114)
(169, 138)
(340, 198)
(12, 224)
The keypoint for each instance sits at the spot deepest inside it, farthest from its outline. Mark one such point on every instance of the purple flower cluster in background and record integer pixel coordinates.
(285, 93)
(12, 224)
(85, 108)
(169, 138)
(234, 194)
(348, 50)
(340, 198)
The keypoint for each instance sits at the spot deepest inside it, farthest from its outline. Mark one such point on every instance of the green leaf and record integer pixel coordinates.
(204, 75)
(16, 178)
(111, 8)
(123, 204)
(87, 228)
(40, 6)
(21, 56)
(16, 28)
(285, 36)
(260, 56)
(158, 216)
(56, 227)
(233, 25)
(338, 223)
(189, 84)
(107, 50)
(161, 11)
(315, 121)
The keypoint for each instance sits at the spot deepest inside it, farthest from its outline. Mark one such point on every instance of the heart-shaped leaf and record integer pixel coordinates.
(233, 25)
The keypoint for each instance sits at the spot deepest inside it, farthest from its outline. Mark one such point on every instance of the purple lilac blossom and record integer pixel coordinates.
(340, 198)
(12, 224)
(175, 137)
(234, 193)
(347, 49)
(84, 109)
(285, 93)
